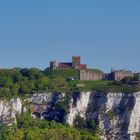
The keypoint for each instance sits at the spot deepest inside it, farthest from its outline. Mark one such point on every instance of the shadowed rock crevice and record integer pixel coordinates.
(96, 106)
(124, 112)
(112, 113)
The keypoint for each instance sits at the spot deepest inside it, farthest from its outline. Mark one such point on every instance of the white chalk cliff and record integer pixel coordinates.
(79, 108)
(117, 114)
(9, 109)
(124, 121)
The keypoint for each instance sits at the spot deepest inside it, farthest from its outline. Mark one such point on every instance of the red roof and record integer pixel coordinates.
(65, 65)
(83, 66)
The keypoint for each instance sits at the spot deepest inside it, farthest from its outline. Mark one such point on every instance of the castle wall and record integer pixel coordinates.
(90, 75)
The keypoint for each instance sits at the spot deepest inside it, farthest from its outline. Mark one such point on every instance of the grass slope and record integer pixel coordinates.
(65, 73)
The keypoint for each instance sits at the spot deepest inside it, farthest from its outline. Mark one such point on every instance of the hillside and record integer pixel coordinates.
(66, 105)
(19, 82)
(65, 73)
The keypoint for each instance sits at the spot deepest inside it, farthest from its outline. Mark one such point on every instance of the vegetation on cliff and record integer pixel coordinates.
(18, 82)
(65, 73)
(28, 128)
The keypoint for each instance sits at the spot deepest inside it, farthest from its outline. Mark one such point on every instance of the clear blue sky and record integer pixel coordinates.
(105, 33)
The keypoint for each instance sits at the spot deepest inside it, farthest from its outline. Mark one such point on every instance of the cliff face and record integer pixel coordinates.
(48, 106)
(9, 109)
(117, 114)
(78, 105)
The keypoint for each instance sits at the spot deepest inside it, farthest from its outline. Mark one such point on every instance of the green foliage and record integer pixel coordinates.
(65, 73)
(35, 129)
(92, 125)
(32, 73)
(58, 83)
(3, 132)
(80, 122)
(13, 73)
(136, 77)
(111, 114)
(106, 86)
(15, 82)
(6, 82)
(127, 80)
(137, 136)
(42, 83)
(4, 92)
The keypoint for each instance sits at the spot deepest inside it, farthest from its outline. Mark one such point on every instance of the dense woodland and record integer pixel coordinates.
(28, 128)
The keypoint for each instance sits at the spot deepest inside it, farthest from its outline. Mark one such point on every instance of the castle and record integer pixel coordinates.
(75, 64)
(90, 74)
(118, 75)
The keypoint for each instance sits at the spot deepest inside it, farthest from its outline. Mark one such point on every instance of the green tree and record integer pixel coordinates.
(27, 86)
(58, 83)
(91, 125)
(5, 92)
(32, 73)
(79, 122)
(42, 83)
(3, 132)
(6, 82)
(15, 89)
(127, 80)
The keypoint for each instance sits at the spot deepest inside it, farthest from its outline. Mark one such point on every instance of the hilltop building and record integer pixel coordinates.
(118, 75)
(87, 74)
(75, 64)
(90, 74)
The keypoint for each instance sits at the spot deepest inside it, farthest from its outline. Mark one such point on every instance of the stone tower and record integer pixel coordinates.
(76, 62)
(54, 64)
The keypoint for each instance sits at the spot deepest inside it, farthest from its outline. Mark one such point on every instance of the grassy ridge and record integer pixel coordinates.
(65, 73)
(104, 85)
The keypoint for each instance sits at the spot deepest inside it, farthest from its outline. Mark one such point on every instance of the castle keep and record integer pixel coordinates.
(75, 64)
